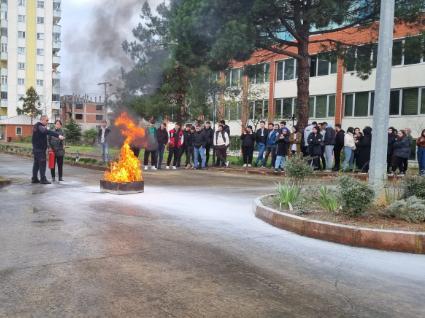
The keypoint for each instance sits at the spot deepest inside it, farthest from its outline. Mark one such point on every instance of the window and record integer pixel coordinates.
(40, 52)
(21, 81)
(279, 71)
(4, 47)
(21, 34)
(56, 98)
(331, 107)
(40, 82)
(395, 103)
(3, 80)
(79, 106)
(361, 104)
(40, 36)
(313, 66)
(79, 116)
(40, 67)
(423, 101)
(99, 117)
(40, 20)
(234, 111)
(412, 55)
(4, 95)
(289, 72)
(372, 102)
(284, 108)
(234, 77)
(40, 4)
(348, 105)
(323, 64)
(21, 18)
(99, 107)
(260, 74)
(311, 102)
(321, 106)
(3, 31)
(410, 101)
(21, 50)
(21, 66)
(321, 102)
(18, 131)
(397, 52)
(21, 3)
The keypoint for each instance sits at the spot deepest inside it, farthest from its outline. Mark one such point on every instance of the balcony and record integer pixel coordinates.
(56, 105)
(57, 45)
(56, 75)
(56, 89)
(3, 72)
(3, 103)
(4, 87)
(4, 24)
(3, 56)
(57, 28)
(56, 60)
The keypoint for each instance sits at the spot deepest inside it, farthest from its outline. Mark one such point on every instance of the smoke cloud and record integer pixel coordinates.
(94, 48)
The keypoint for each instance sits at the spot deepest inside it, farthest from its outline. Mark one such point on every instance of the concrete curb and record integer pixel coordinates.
(390, 240)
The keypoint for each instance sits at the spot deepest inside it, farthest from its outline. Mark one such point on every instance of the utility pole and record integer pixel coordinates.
(105, 85)
(378, 162)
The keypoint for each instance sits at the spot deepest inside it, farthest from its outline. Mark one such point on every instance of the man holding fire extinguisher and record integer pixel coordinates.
(56, 152)
(39, 148)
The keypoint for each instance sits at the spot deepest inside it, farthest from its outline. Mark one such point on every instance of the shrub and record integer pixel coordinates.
(72, 132)
(288, 195)
(90, 136)
(327, 200)
(414, 186)
(355, 195)
(297, 169)
(411, 210)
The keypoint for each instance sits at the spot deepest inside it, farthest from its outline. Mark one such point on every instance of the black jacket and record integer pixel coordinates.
(226, 128)
(391, 141)
(261, 139)
(401, 148)
(209, 133)
(282, 145)
(39, 137)
(248, 140)
(339, 139)
(330, 136)
(315, 142)
(364, 146)
(56, 144)
(162, 136)
(186, 137)
(99, 133)
(199, 139)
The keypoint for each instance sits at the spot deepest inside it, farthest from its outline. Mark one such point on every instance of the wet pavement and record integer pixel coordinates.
(189, 246)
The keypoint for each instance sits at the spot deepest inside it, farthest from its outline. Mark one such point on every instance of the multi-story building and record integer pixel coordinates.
(88, 112)
(30, 46)
(337, 94)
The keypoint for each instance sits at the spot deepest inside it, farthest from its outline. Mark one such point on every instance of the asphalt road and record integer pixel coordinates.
(189, 246)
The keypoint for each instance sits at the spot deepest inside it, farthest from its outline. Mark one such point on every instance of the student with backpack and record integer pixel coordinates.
(221, 142)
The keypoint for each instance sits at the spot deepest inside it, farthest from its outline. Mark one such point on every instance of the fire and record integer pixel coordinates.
(127, 168)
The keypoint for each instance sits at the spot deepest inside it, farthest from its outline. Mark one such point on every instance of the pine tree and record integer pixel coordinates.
(72, 131)
(31, 105)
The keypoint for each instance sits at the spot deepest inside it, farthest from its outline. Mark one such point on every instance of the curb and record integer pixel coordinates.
(389, 240)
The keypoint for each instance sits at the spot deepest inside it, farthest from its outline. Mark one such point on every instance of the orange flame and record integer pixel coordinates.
(127, 168)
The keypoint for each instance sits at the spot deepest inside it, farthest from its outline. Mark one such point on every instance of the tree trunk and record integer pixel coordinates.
(245, 102)
(303, 85)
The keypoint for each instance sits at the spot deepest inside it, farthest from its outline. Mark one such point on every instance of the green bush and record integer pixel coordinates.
(414, 186)
(297, 169)
(328, 200)
(355, 195)
(72, 132)
(411, 210)
(288, 195)
(90, 136)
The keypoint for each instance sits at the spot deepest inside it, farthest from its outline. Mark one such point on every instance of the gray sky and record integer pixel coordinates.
(93, 31)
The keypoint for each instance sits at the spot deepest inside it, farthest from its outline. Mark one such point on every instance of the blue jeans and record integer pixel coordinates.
(329, 156)
(421, 159)
(280, 162)
(348, 158)
(105, 152)
(261, 149)
(201, 151)
(161, 149)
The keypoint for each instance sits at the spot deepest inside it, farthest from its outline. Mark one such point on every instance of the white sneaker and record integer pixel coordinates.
(174, 168)
(244, 165)
(249, 166)
(146, 168)
(154, 168)
(167, 167)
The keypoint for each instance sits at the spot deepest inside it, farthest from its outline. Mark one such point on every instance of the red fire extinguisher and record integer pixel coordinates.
(51, 159)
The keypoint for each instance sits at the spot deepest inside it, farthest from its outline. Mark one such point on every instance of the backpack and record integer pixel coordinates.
(222, 135)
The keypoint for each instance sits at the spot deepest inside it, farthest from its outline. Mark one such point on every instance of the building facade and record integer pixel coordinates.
(30, 46)
(337, 94)
(88, 112)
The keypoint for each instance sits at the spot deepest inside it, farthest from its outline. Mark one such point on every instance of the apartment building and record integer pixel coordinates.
(337, 94)
(88, 112)
(30, 46)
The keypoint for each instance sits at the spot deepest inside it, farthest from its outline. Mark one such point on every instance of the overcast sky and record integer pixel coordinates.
(92, 33)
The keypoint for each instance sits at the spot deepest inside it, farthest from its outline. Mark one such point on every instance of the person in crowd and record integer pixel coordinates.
(188, 145)
(221, 142)
(349, 147)
(408, 132)
(175, 144)
(357, 136)
(39, 148)
(209, 132)
(295, 141)
(226, 128)
(401, 151)
(102, 137)
(261, 140)
(273, 133)
(364, 146)
(321, 129)
(151, 148)
(307, 131)
(162, 139)
(315, 141)
(282, 150)
(420, 142)
(248, 142)
(329, 142)
(200, 140)
(282, 127)
(58, 148)
(392, 135)
(339, 145)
